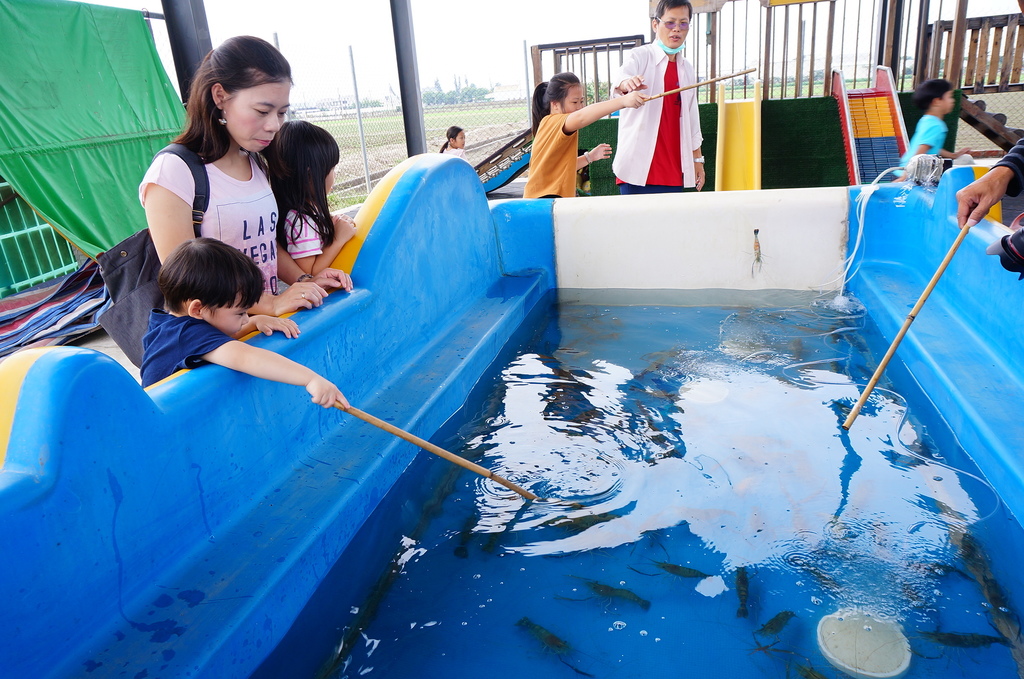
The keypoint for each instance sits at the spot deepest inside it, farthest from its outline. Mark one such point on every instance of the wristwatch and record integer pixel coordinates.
(305, 277)
(699, 160)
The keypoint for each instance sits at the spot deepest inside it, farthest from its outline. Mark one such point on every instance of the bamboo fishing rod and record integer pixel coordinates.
(906, 326)
(703, 82)
(436, 450)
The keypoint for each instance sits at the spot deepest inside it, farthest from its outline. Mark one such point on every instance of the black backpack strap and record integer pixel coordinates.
(202, 180)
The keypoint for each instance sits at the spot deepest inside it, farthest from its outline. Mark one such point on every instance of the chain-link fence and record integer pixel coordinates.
(372, 139)
(1007, 107)
(360, 106)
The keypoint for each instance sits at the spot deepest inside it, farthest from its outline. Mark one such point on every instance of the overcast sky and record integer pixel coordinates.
(479, 41)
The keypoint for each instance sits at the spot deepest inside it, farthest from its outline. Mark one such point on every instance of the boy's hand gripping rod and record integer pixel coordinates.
(704, 82)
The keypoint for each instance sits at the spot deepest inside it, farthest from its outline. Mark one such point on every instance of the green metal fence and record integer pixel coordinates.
(31, 252)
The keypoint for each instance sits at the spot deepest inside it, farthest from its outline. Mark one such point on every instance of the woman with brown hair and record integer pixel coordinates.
(237, 102)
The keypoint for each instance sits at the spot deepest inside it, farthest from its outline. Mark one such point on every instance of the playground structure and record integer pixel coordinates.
(507, 163)
(874, 134)
(739, 142)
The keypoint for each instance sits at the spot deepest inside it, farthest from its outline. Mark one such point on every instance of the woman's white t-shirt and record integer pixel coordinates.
(243, 214)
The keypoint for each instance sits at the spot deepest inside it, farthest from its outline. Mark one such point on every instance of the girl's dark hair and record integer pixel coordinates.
(299, 159)
(929, 91)
(556, 89)
(237, 64)
(211, 271)
(452, 132)
(666, 5)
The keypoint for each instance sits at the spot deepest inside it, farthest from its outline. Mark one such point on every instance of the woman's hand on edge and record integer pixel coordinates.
(304, 295)
(334, 278)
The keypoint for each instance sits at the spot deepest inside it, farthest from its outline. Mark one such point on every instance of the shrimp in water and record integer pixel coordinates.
(758, 262)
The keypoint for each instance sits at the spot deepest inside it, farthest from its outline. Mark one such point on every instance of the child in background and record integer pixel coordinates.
(935, 98)
(558, 115)
(208, 286)
(303, 161)
(456, 144)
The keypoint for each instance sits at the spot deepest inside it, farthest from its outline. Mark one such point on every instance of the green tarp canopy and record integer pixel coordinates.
(84, 105)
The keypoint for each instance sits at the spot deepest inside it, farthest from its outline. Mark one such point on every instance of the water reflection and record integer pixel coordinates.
(703, 502)
(738, 442)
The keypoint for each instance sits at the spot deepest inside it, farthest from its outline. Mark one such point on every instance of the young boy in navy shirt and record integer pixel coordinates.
(208, 286)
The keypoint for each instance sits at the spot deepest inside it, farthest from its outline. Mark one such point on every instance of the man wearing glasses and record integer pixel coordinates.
(659, 144)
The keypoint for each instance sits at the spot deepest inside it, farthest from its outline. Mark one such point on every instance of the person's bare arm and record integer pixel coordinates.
(344, 229)
(287, 268)
(577, 120)
(943, 153)
(169, 219)
(270, 366)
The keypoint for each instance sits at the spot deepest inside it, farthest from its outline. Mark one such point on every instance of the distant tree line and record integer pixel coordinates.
(436, 96)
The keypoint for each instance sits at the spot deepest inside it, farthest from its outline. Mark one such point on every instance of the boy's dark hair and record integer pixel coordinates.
(237, 64)
(556, 89)
(211, 271)
(666, 5)
(299, 159)
(452, 133)
(929, 91)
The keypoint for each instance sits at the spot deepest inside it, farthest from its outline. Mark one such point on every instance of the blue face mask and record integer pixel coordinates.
(666, 48)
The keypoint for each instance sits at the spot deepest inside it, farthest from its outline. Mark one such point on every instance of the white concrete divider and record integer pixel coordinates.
(704, 240)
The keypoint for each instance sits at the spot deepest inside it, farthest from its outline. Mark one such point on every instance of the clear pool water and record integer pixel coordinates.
(700, 488)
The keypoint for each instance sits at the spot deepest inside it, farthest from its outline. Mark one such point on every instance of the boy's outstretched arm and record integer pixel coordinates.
(270, 366)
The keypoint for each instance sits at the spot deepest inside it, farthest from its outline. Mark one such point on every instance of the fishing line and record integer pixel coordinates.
(862, 205)
(898, 399)
(786, 315)
(901, 402)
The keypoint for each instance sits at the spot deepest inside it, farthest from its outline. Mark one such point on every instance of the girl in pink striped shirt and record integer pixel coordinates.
(303, 161)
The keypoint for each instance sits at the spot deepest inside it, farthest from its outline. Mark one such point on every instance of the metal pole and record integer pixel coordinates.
(408, 77)
(883, 32)
(359, 119)
(526, 81)
(189, 35)
(897, 34)
(921, 53)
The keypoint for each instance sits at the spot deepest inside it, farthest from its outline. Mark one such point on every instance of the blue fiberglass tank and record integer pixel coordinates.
(193, 548)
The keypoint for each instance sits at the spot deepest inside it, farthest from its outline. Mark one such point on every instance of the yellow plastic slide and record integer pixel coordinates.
(738, 160)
